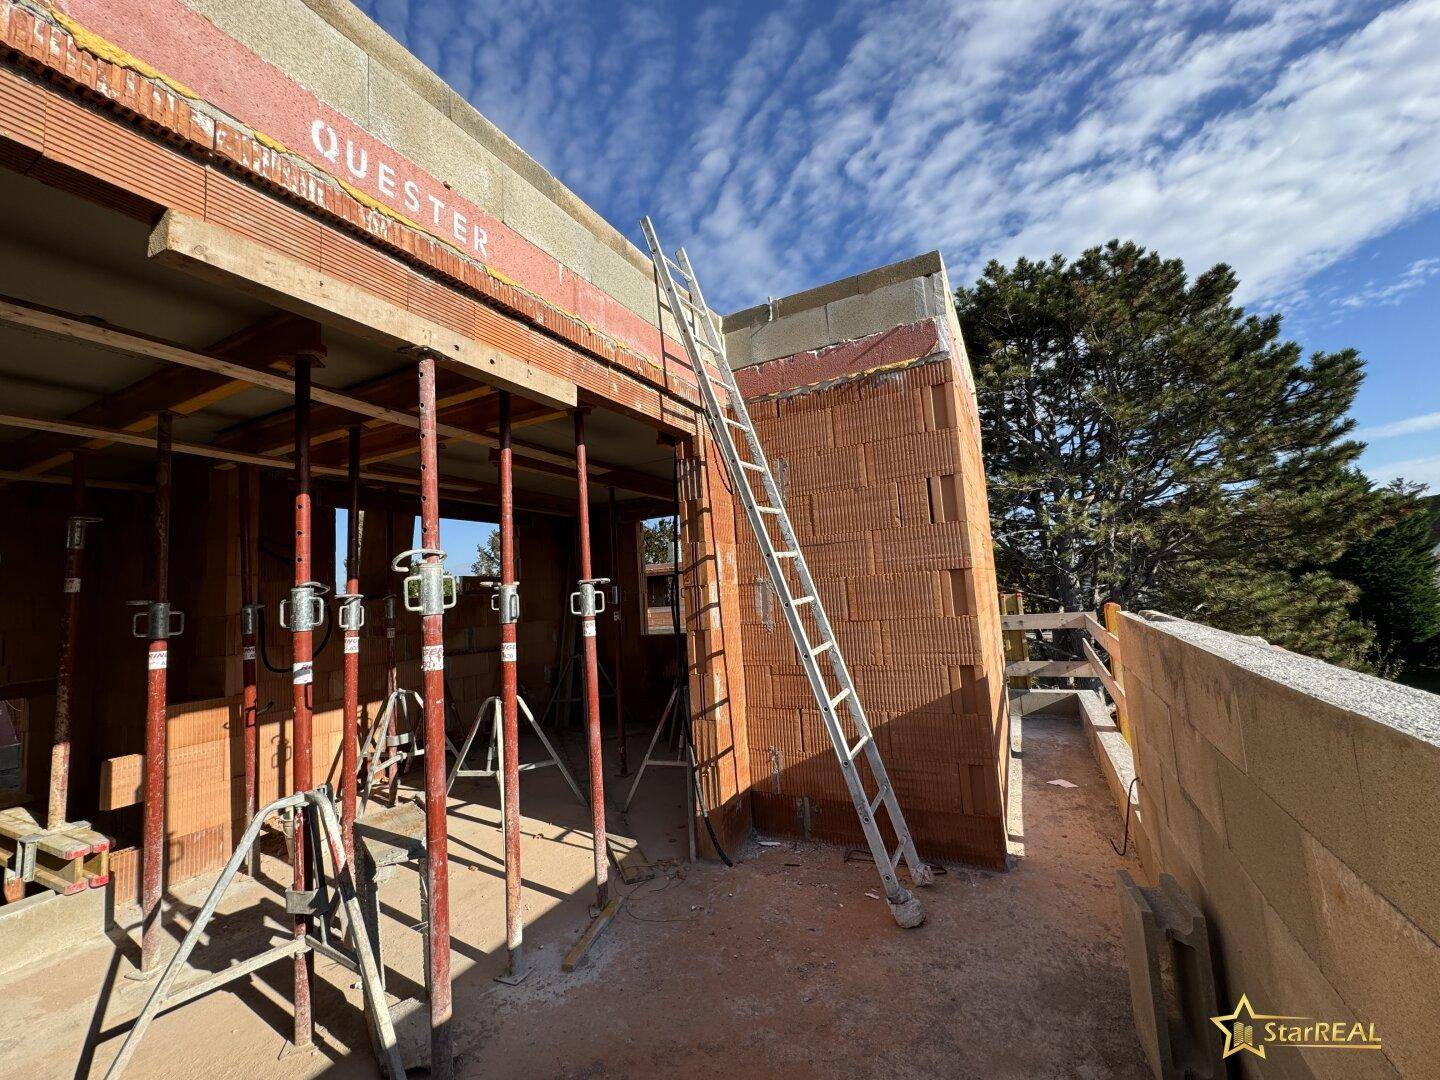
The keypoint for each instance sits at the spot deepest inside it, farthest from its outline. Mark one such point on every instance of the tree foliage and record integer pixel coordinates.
(1147, 441)
(1397, 574)
(657, 540)
(487, 557)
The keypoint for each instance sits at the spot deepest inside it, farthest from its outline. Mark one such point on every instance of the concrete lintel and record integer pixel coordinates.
(216, 254)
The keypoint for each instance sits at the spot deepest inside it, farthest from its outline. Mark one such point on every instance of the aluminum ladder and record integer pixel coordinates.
(795, 588)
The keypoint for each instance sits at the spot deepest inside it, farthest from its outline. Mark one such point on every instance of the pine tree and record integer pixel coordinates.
(1397, 575)
(1147, 441)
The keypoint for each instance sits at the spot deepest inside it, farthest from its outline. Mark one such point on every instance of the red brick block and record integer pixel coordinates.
(881, 596)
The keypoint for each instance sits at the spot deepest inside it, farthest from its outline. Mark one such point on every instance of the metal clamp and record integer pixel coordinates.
(305, 609)
(157, 622)
(390, 608)
(75, 530)
(505, 599)
(25, 848)
(429, 588)
(351, 610)
(589, 601)
(250, 616)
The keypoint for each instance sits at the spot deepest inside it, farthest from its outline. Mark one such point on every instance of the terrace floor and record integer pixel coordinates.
(781, 966)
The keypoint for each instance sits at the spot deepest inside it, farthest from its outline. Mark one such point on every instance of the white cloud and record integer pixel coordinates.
(1389, 293)
(820, 139)
(1422, 470)
(1410, 425)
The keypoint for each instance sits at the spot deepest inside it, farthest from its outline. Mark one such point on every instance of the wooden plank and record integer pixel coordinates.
(121, 781)
(1102, 672)
(115, 339)
(1117, 667)
(1108, 641)
(1051, 669)
(591, 935)
(213, 252)
(1044, 620)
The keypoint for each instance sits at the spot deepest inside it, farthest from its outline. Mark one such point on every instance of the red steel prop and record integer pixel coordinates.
(509, 709)
(69, 644)
(616, 636)
(352, 619)
(302, 611)
(582, 603)
(392, 676)
(158, 629)
(250, 616)
(432, 663)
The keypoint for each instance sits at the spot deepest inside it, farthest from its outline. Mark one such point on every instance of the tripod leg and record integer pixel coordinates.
(550, 749)
(649, 750)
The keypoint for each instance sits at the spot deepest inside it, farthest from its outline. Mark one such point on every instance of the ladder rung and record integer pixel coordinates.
(860, 743)
(769, 510)
(879, 798)
(799, 600)
(838, 698)
(736, 423)
(674, 266)
(895, 859)
(823, 647)
(752, 466)
(787, 554)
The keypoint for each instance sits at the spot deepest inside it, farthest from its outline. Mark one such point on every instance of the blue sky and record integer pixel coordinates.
(787, 144)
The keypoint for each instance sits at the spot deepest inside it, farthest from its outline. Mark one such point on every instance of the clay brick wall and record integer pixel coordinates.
(874, 442)
(1297, 803)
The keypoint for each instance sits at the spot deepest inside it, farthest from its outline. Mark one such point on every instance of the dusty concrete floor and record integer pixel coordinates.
(782, 966)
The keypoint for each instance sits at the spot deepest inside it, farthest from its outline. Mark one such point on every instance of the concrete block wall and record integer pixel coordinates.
(1299, 804)
(879, 463)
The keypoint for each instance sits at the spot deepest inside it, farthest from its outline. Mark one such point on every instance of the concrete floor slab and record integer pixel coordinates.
(787, 964)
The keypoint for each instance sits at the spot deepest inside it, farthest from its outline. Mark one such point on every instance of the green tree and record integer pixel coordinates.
(1397, 574)
(657, 540)
(487, 557)
(1149, 442)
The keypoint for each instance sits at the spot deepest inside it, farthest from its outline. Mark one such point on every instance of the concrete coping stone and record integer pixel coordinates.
(856, 285)
(1410, 711)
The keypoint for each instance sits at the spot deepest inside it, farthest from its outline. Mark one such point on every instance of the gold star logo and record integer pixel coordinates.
(1239, 1028)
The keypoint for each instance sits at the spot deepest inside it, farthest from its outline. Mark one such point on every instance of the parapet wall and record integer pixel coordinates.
(1299, 804)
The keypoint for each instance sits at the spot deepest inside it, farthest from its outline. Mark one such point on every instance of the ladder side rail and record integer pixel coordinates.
(903, 906)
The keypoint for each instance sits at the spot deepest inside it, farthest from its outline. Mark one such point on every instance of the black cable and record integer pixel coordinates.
(1125, 842)
(264, 651)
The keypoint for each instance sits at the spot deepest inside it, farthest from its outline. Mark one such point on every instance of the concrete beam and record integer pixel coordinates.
(217, 254)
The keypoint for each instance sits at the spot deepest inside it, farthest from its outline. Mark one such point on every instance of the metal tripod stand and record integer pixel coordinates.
(321, 819)
(494, 766)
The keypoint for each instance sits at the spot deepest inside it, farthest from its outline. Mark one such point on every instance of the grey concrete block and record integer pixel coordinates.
(855, 285)
(371, 39)
(545, 225)
(1197, 764)
(738, 347)
(48, 924)
(618, 276)
(1268, 844)
(300, 43)
(791, 334)
(1213, 700)
(1299, 987)
(1301, 752)
(1400, 777)
(1384, 966)
(403, 119)
(899, 304)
